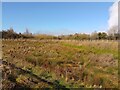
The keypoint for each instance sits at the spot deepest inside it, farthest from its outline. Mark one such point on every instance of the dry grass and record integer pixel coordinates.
(68, 62)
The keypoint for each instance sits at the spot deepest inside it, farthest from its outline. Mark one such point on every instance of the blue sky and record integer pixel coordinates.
(56, 18)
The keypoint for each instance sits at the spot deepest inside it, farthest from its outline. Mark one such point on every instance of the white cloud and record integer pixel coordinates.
(113, 18)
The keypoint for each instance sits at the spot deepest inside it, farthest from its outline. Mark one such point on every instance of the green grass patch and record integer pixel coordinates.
(96, 50)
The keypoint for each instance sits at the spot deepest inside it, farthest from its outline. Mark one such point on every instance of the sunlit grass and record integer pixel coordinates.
(70, 63)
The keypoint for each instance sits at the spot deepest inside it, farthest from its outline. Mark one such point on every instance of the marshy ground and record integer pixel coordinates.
(63, 63)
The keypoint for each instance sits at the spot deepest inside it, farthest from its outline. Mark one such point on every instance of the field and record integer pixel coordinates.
(59, 64)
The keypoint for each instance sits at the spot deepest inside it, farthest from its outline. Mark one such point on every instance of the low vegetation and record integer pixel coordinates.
(57, 63)
(11, 34)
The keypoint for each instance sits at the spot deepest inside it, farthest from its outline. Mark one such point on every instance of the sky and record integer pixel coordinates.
(56, 18)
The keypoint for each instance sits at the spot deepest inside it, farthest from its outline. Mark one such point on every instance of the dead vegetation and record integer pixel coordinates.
(72, 63)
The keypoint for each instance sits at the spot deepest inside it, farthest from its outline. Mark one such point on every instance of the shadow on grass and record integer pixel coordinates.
(54, 84)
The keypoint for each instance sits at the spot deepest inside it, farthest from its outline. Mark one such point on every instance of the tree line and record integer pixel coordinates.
(11, 34)
(93, 36)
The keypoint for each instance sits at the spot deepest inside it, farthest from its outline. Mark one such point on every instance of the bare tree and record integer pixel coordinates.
(113, 30)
